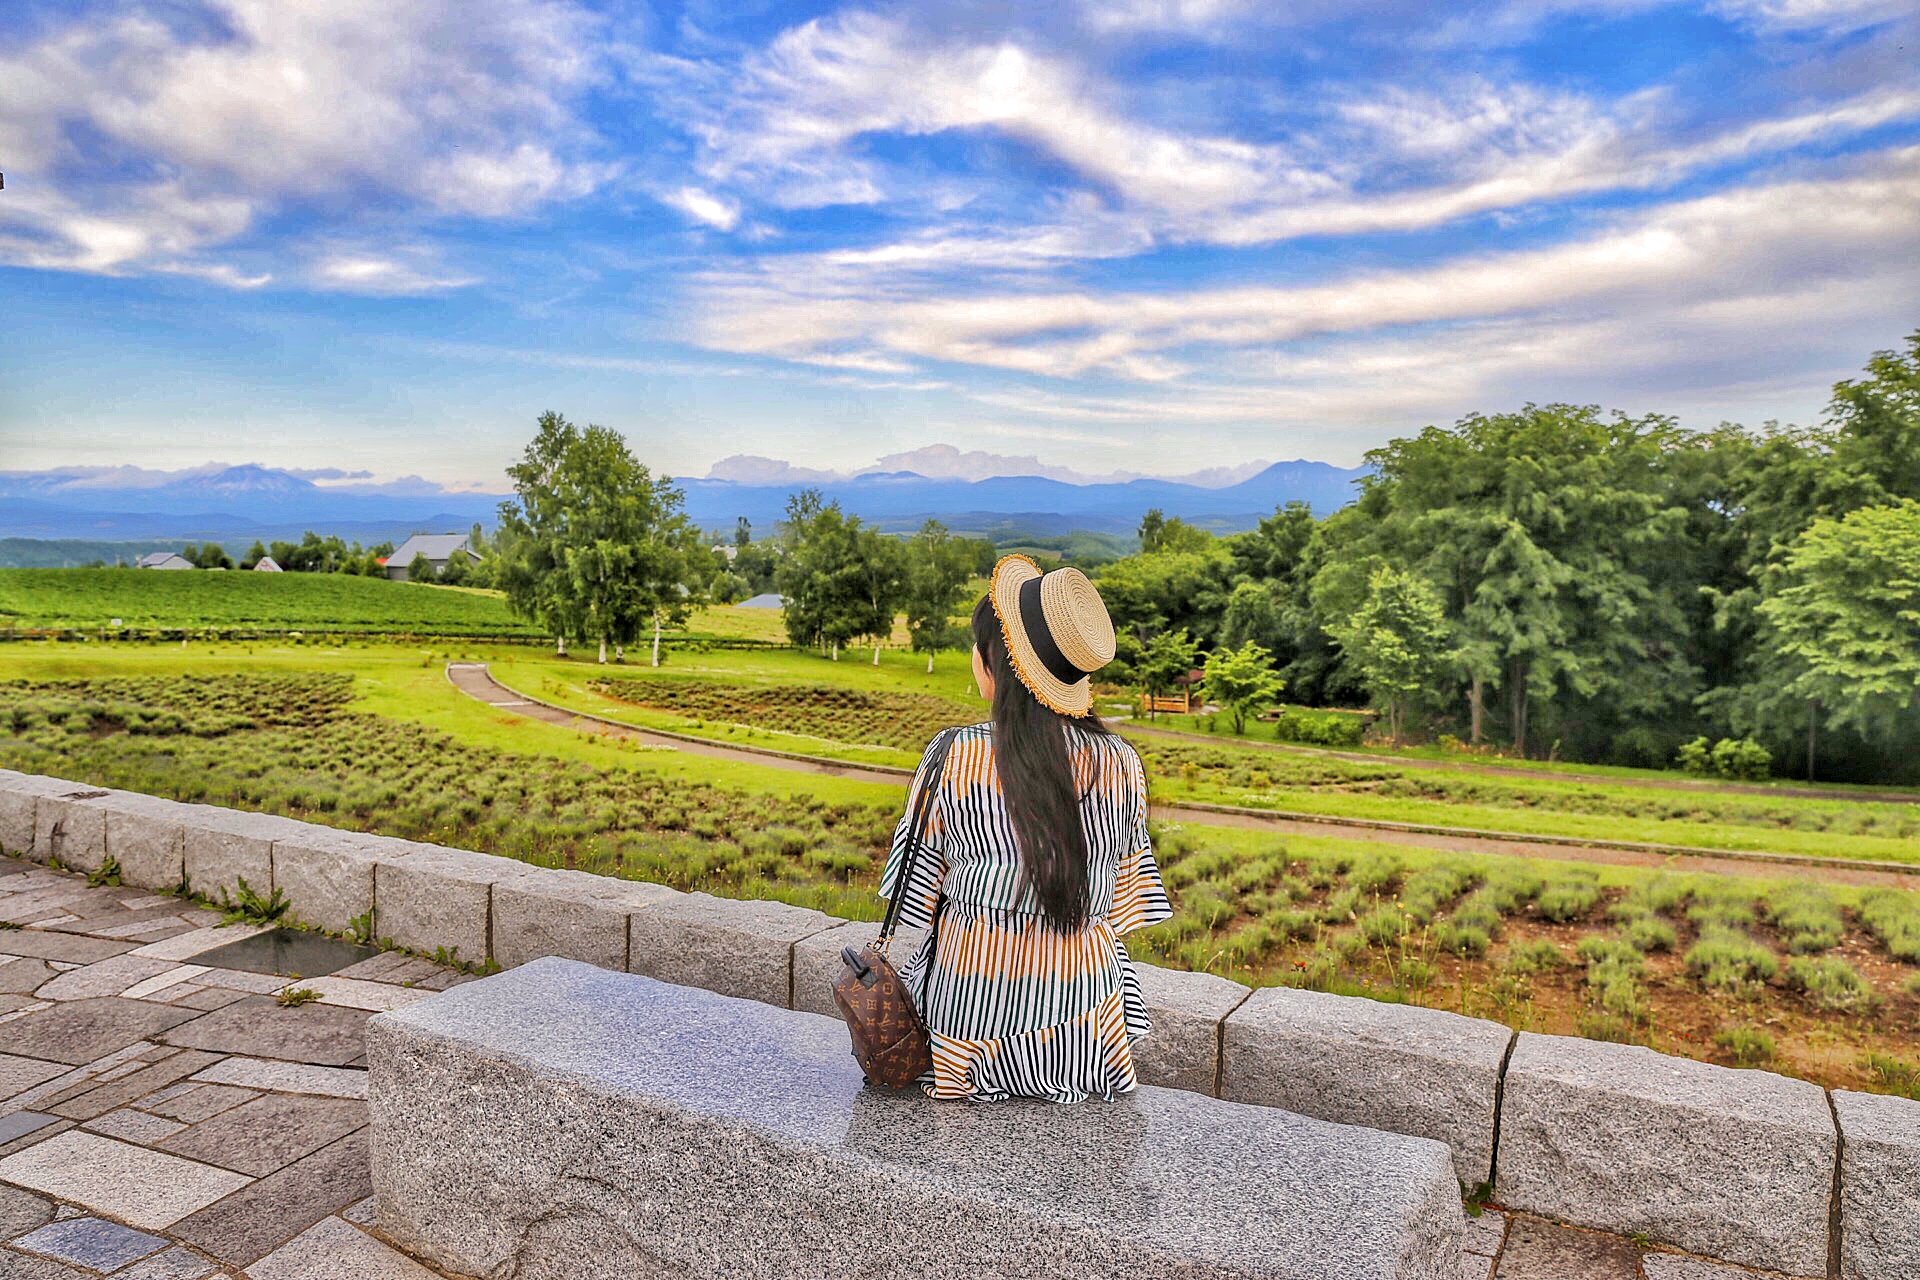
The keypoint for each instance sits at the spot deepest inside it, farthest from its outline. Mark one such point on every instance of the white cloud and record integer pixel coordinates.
(1742, 243)
(379, 274)
(1831, 16)
(151, 139)
(789, 128)
(703, 207)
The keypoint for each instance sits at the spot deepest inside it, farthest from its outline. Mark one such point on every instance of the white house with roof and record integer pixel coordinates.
(165, 560)
(267, 564)
(438, 548)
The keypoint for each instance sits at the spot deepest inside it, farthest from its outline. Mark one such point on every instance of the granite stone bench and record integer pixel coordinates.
(559, 1120)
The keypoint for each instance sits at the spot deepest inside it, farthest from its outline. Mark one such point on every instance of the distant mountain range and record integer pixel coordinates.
(237, 504)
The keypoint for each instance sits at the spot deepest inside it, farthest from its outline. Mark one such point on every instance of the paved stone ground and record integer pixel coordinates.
(165, 1119)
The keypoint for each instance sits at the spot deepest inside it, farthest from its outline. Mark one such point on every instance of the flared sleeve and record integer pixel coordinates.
(1139, 898)
(922, 890)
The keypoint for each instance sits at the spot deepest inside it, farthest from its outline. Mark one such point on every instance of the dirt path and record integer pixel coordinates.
(476, 681)
(1537, 775)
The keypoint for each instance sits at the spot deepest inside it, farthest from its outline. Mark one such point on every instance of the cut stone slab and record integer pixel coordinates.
(80, 1031)
(145, 1188)
(734, 947)
(1397, 1067)
(185, 946)
(1542, 1251)
(23, 977)
(1732, 1164)
(1879, 1186)
(109, 977)
(1672, 1266)
(120, 1086)
(134, 1126)
(195, 1102)
(18, 1124)
(1188, 1012)
(67, 828)
(19, 796)
(91, 1242)
(147, 836)
(176, 1263)
(568, 913)
(426, 897)
(256, 1220)
(287, 1077)
(349, 993)
(515, 1116)
(160, 985)
(332, 1247)
(21, 1211)
(319, 1033)
(66, 948)
(18, 1074)
(222, 847)
(327, 876)
(268, 1133)
(24, 1266)
(817, 964)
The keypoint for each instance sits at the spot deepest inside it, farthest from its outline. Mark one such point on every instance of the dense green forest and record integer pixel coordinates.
(1597, 586)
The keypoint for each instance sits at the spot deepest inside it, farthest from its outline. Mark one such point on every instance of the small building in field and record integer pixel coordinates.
(267, 564)
(765, 600)
(165, 560)
(438, 548)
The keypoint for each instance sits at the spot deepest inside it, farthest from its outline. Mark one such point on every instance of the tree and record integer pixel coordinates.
(1842, 608)
(593, 544)
(1398, 640)
(1151, 526)
(255, 554)
(881, 584)
(742, 533)
(1242, 679)
(1166, 660)
(938, 566)
(207, 556)
(421, 570)
(821, 574)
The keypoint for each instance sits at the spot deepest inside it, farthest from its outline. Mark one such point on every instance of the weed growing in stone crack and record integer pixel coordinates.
(1748, 1046)
(247, 906)
(294, 997)
(360, 928)
(108, 873)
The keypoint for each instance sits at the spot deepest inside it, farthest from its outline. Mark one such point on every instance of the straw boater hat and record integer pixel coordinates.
(1057, 631)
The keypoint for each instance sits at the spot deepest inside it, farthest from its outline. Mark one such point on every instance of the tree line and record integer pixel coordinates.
(1589, 585)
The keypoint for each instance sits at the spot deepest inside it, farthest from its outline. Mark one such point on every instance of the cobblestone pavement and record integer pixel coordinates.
(164, 1118)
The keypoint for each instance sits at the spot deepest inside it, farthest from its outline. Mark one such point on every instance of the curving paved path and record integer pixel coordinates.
(1535, 775)
(476, 681)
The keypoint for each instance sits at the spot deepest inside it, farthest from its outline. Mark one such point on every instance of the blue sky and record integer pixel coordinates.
(1146, 236)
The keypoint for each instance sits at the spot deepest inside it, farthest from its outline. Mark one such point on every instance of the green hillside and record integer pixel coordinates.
(89, 598)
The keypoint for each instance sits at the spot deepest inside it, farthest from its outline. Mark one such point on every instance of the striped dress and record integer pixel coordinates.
(1015, 1008)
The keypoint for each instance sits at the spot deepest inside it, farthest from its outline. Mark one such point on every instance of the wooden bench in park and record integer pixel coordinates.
(559, 1120)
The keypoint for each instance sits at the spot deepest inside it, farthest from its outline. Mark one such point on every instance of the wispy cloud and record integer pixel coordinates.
(150, 142)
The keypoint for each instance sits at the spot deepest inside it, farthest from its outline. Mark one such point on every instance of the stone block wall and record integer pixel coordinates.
(1745, 1166)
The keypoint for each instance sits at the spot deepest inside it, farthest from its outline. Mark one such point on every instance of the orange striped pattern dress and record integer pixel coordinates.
(1015, 1008)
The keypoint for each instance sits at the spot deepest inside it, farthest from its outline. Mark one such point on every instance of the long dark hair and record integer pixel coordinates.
(1036, 776)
